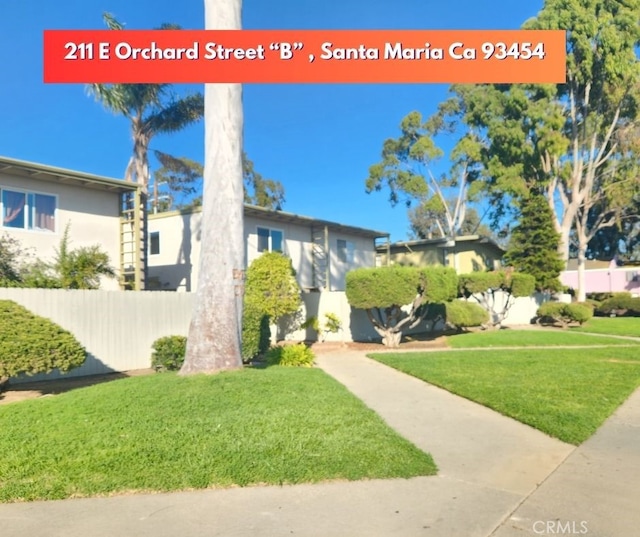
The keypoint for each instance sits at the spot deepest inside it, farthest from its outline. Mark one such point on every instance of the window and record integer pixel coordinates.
(346, 251)
(154, 243)
(27, 210)
(270, 240)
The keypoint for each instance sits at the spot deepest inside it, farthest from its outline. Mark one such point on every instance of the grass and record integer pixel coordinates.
(529, 338)
(616, 326)
(164, 432)
(566, 393)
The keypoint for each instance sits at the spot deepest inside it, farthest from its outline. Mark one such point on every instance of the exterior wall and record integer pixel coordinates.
(116, 327)
(465, 257)
(608, 280)
(93, 216)
(176, 266)
(363, 256)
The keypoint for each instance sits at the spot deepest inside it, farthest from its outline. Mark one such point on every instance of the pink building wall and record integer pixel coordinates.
(608, 280)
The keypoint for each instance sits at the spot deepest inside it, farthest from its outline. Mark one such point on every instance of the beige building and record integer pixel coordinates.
(466, 254)
(37, 202)
(321, 252)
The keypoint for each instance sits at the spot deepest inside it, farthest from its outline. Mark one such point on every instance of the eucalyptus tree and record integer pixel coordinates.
(215, 332)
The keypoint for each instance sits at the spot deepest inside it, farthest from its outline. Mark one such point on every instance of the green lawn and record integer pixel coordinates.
(617, 326)
(567, 393)
(529, 338)
(164, 432)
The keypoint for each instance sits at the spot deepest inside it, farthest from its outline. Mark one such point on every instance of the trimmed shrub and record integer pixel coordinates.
(621, 305)
(382, 287)
(461, 314)
(579, 312)
(168, 353)
(32, 344)
(291, 356)
(255, 332)
(563, 314)
(271, 286)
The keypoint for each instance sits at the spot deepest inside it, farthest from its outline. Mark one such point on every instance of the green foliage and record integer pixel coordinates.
(563, 314)
(168, 353)
(534, 245)
(622, 305)
(461, 314)
(32, 344)
(382, 287)
(255, 332)
(485, 286)
(405, 169)
(182, 178)
(332, 325)
(9, 261)
(271, 286)
(383, 291)
(298, 355)
(514, 283)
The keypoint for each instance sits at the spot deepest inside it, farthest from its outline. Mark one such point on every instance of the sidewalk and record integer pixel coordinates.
(488, 484)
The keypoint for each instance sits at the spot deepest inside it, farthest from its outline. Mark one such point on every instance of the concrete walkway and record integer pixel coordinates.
(497, 477)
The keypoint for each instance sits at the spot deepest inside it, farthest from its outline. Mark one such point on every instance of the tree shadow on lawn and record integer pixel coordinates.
(12, 393)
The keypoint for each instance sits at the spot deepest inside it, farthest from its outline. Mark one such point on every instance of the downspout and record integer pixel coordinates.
(327, 257)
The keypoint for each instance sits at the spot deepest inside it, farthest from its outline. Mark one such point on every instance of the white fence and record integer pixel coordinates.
(116, 327)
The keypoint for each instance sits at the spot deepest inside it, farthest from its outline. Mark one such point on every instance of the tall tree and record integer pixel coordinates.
(215, 333)
(423, 224)
(533, 248)
(572, 138)
(151, 108)
(183, 179)
(406, 170)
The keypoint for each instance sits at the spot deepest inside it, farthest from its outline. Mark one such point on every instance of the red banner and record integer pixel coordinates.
(314, 56)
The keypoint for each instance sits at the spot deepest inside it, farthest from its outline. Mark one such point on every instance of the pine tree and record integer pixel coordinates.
(534, 245)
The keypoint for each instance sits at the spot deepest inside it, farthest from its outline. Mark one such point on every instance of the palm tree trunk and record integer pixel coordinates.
(214, 341)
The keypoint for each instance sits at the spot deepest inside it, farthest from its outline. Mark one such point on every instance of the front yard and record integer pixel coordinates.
(566, 393)
(163, 432)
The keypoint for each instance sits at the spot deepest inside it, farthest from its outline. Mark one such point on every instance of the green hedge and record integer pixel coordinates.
(256, 334)
(462, 314)
(32, 344)
(561, 313)
(623, 305)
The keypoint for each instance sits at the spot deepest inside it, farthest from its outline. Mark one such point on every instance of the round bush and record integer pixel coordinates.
(462, 314)
(291, 356)
(168, 353)
(623, 305)
(561, 313)
(32, 344)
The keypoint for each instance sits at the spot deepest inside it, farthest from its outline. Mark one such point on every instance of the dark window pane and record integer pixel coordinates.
(263, 239)
(13, 209)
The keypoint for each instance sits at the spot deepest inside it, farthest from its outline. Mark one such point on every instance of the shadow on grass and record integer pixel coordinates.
(10, 393)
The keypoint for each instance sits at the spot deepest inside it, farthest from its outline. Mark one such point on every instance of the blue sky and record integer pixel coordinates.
(318, 140)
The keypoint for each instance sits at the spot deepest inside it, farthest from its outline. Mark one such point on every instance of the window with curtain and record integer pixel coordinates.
(28, 210)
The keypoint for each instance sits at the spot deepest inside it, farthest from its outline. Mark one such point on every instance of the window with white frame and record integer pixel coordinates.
(28, 210)
(270, 240)
(346, 251)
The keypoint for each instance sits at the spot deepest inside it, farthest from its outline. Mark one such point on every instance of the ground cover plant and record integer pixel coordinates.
(164, 432)
(615, 326)
(529, 338)
(566, 393)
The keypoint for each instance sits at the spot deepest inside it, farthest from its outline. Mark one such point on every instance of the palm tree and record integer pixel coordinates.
(151, 109)
(214, 342)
